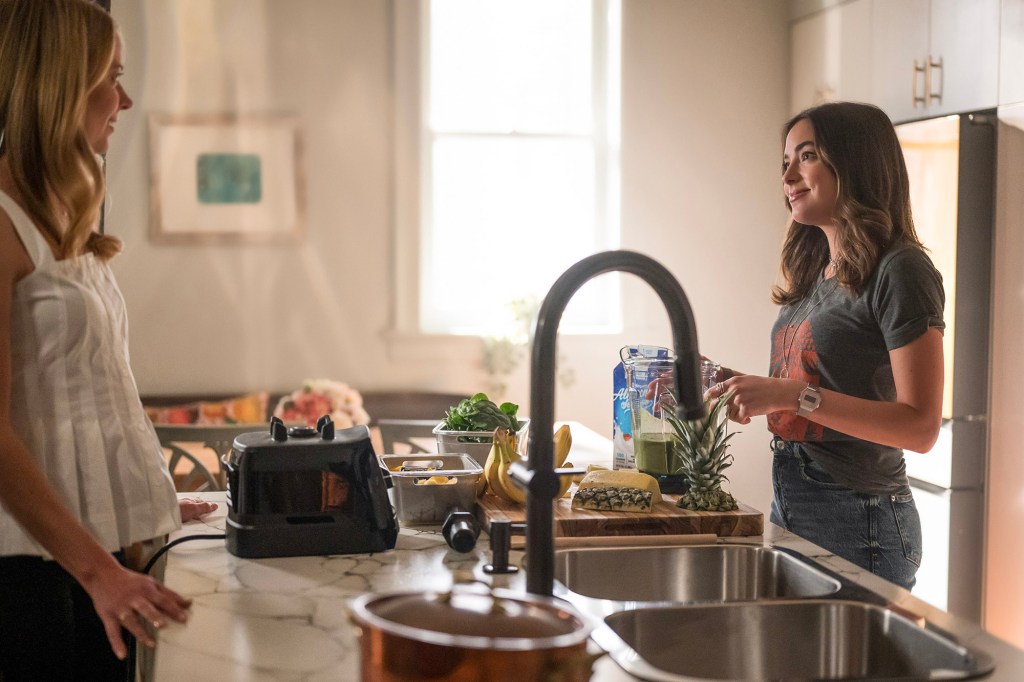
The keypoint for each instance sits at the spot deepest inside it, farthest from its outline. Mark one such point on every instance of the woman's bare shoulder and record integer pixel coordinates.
(15, 262)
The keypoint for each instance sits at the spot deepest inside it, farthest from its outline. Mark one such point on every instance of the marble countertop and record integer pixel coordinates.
(286, 618)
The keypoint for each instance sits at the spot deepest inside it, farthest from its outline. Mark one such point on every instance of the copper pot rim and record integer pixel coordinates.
(360, 609)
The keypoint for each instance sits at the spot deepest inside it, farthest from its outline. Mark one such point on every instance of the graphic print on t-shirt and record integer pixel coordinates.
(795, 347)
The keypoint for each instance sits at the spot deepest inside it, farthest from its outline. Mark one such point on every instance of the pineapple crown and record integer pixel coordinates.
(702, 445)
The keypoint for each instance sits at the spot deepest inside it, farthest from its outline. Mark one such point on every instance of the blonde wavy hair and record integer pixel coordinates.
(53, 53)
(858, 143)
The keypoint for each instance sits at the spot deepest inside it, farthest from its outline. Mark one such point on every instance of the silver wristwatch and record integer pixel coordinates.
(808, 401)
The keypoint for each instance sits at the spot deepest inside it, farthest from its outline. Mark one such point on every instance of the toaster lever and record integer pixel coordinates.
(326, 427)
(278, 431)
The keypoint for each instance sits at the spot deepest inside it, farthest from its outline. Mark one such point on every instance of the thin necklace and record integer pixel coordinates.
(788, 347)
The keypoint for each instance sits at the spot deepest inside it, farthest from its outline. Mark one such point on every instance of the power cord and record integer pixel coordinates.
(160, 552)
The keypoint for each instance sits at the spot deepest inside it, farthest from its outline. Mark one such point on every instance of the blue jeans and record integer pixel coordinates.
(879, 533)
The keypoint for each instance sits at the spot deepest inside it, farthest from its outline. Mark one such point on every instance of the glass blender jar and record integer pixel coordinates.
(650, 380)
(650, 376)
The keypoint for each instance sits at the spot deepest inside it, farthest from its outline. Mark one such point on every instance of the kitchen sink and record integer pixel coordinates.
(693, 573)
(820, 639)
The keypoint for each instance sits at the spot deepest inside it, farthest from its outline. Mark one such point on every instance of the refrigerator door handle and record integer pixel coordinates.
(927, 487)
(964, 418)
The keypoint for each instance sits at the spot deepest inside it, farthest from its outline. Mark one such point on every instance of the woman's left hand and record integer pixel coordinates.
(192, 508)
(753, 396)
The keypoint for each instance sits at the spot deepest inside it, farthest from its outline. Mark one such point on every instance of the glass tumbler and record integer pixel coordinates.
(709, 373)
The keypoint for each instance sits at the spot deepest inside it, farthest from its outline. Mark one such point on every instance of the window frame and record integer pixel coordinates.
(412, 160)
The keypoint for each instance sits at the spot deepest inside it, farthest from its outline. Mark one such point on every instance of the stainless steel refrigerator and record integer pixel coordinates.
(951, 161)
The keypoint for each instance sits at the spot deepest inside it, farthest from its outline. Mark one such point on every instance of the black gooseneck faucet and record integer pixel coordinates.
(541, 480)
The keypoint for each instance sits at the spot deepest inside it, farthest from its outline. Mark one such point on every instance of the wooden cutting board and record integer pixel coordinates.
(665, 519)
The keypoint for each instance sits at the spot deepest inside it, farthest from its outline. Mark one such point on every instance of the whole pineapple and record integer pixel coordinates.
(701, 451)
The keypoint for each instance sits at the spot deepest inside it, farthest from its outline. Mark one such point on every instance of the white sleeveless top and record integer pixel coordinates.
(74, 401)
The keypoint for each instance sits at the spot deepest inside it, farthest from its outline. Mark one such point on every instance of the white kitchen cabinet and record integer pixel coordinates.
(965, 35)
(933, 57)
(899, 43)
(1011, 52)
(831, 56)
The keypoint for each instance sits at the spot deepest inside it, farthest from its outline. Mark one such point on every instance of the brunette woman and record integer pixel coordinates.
(856, 372)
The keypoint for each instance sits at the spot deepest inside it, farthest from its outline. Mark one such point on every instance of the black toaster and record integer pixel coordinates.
(299, 491)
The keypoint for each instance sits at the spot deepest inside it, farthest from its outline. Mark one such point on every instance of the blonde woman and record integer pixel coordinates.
(82, 474)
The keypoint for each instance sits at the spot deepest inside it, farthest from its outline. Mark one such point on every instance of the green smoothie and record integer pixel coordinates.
(653, 452)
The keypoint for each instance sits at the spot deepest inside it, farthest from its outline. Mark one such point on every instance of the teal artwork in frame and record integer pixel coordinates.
(229, 179)
(225, 179)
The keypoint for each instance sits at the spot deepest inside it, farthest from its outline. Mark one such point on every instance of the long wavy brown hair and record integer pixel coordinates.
(53, 53)
(858, 143)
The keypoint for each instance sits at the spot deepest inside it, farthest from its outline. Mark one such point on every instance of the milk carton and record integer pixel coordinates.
(622, 427)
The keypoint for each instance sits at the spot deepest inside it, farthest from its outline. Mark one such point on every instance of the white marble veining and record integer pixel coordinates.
(286, 618)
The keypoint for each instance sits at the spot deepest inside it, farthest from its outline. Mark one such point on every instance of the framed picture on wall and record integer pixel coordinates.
(225, 179)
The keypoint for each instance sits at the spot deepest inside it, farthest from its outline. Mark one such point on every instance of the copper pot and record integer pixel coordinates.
(469, 636)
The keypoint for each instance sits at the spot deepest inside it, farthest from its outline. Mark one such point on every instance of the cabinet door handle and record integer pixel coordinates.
(921, 69)
(934, 94)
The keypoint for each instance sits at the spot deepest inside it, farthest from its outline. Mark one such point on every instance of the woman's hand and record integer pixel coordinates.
(664, 384)
(753, 396)
(134, 601)
(192, 508)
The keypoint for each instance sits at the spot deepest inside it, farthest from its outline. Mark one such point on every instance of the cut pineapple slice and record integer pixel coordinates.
(622, 479)
(613, 499)
(436, 480)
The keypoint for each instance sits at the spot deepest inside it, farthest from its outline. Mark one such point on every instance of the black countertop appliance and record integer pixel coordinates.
(300, 491)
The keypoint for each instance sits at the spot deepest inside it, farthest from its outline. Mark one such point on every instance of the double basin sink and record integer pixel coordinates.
(747, 612)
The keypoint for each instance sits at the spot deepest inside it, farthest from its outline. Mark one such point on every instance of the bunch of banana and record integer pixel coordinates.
(503, 455)
(563, 443)
(500, 458)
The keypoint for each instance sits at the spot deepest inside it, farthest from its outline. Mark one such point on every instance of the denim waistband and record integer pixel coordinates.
(783, 447)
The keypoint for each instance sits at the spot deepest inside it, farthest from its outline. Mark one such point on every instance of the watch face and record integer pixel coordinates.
(808, 401)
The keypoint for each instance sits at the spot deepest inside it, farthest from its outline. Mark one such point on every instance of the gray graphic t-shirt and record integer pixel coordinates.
(841, 342)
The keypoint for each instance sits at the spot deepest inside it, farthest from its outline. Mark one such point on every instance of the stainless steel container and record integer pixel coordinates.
(477, 444)
(417, 499)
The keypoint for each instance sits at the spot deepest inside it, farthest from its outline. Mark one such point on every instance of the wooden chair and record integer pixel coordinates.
(186, 443)
(189, 473)
(404, 417)
(397, 415)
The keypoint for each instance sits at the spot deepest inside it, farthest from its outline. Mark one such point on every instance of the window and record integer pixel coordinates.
(516, 140)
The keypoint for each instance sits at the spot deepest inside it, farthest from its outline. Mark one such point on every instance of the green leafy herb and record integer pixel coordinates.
(478, 413)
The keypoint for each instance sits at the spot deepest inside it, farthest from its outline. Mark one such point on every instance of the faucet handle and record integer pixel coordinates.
(500, 533)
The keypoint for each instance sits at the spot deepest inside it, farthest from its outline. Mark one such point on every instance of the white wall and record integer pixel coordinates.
(232, 318)
(705, 92)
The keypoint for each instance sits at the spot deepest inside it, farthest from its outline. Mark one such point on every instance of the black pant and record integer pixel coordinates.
(49, 629)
